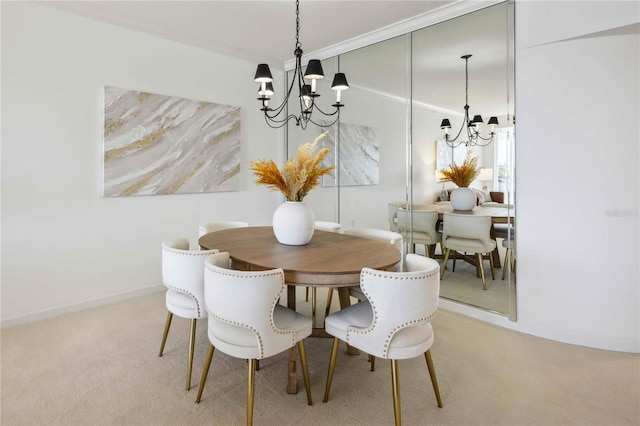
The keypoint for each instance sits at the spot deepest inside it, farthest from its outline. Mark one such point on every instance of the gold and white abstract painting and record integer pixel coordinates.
(359, 155)
(155, 144)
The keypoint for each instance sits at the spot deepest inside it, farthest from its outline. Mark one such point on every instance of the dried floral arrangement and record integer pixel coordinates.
(296, 179)
(462, 175)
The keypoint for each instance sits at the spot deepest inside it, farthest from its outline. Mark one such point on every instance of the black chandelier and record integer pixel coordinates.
(473, 133)
(307, 93)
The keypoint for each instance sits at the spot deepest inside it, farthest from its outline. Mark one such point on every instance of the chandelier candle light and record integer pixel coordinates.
(473, 134)
(307, 93)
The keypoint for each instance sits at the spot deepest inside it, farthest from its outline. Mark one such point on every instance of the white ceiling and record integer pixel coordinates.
(259, 31)
(264, 31)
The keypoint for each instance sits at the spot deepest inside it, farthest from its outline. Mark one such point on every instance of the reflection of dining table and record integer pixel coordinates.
(499, 214)
(328, 260)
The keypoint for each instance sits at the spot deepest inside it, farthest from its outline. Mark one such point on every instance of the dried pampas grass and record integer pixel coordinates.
(296, 179)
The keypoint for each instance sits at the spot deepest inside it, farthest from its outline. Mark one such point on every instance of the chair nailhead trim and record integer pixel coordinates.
(188, 253)
(233, 273)
(395, 276)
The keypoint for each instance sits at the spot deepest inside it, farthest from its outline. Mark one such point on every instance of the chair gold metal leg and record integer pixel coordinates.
(506, 264)
(251, 379)
(491, 263)
(395, 384)
(455, 256)
(192, 342)
(305, 370)
(167, 324)
(444, 263)
(372, 360)
(314, 305)
(484, 282)
(432, 374)
(306, 294)
(205, 371)
(332, 367)
(329, 297)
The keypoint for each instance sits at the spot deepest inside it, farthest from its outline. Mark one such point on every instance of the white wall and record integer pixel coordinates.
(577, 137)
(577, 114)
(63, 245)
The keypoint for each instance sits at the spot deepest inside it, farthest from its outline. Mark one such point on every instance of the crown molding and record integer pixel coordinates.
(441, 14)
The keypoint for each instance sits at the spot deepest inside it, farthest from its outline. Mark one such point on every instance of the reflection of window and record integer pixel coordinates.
(504, 141)
(446, 156)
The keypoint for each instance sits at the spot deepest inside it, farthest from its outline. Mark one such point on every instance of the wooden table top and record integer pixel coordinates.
(329, 259)
(499, 214)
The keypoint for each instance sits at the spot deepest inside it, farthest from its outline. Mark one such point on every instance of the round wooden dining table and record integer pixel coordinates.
(330, 259)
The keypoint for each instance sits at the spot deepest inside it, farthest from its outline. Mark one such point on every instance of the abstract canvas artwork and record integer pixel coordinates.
(446, 156)
(359, 155)
(155, 144)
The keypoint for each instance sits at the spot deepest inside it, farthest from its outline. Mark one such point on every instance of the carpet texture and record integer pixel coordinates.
(101, 367)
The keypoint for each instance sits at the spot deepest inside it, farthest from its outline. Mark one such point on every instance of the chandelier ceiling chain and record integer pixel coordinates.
(474, 138)
(307, 93)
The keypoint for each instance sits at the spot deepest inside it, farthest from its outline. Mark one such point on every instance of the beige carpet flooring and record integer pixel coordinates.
(100, 367)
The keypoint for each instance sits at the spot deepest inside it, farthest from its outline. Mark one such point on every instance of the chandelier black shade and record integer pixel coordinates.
(307, 91)
(473, 136)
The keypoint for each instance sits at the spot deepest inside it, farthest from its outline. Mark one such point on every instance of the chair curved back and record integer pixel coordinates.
(381, 235)
(378, 234)
(328, 226)
(402, 304)
(470, 227)
(241, 308)
(424, 226)
(218, 226)
(183, 272)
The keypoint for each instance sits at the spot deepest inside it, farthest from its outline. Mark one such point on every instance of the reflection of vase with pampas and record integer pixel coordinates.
(462, 198)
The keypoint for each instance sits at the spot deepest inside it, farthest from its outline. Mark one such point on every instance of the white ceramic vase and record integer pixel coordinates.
(463, 199)
(293, 223)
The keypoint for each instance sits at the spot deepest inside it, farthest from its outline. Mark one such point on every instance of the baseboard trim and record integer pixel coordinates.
(108, 300)
(557, 335)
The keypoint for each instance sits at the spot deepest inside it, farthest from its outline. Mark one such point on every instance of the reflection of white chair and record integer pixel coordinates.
(183, 275)
(421, 231)
(509, 257)
(464, 233)
(394, 322)
(246, 321)
(219, 226)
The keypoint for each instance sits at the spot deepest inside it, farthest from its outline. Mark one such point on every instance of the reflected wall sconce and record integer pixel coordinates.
(307, 92)
(473, 132)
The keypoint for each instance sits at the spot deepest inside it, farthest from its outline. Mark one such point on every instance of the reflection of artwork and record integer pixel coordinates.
(359, 155)
(445, 156)
(156, 144)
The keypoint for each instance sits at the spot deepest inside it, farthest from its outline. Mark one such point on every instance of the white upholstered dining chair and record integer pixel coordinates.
(246, 321)
(382, 235)
(420, 230)
(219, 226)
(466, 233)
(394, 322)
(183, 275)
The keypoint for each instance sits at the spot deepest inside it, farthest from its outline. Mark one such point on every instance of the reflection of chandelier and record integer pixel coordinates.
(473, 134)
(307, 92)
